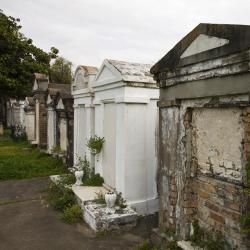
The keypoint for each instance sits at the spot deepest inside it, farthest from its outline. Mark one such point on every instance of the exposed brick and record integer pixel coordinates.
(203, 194)
(188, 211)
(212, 206)
(218, 218)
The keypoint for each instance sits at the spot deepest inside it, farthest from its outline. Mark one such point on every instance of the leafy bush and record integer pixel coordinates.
(95, 180)
(83, 164)
(72, 215)
(89, 177)
(95, 144)
(67, 179)
(60, 197)
(146, 245)
(120, 201)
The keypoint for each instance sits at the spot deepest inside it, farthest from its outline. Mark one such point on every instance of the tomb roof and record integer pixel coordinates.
(133, 72)
(206, 41)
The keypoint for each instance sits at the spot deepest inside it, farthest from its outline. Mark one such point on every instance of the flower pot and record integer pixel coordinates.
(78, 175)
(110, 199)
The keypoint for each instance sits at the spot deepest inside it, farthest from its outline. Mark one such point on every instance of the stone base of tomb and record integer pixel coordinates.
(161, 239)
(99, 217)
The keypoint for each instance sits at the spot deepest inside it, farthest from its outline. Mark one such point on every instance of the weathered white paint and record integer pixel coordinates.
(219, 135)
(126, 117)
(51, 129)
(131, 126)
(30, 126)
(202, 43)
(109, 152)
(37, 122)
(63, 134)
(83, 113)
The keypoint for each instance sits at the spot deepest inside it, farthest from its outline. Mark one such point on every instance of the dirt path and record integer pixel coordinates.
(27, 222)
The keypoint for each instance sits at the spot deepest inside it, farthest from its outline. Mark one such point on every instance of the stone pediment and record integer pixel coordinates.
(49, 99)
(35, 86)
(60, 104)
(107, 74)
(205, 42)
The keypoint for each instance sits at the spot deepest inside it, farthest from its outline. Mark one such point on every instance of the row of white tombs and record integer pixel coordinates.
(117, 103)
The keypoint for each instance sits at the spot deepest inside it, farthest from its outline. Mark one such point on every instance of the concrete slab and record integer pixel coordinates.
(87, 193)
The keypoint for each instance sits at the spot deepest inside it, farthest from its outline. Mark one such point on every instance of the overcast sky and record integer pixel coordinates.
(88, 31)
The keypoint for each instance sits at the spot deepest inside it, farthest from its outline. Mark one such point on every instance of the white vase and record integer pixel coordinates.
(78, 175)
(110, 199)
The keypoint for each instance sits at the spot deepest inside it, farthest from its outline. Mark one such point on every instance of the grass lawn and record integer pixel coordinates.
(19, 160)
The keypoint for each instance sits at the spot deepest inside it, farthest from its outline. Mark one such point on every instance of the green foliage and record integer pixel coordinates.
(95, 180)
(19, 160)
(58, 150)
(67, 179)
(208, 240)
(245, 218)
(60, 197)
(89, 176)
(100, 199)
(120, 201)
(245, 222)
(146, 245)
(72, 215)
(83, 164)
(95, 144)
(102, 232)
(60, 71)
(170, 232)
(19, 59)
(173, 246)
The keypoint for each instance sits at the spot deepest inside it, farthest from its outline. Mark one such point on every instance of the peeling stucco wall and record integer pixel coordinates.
(219, 134)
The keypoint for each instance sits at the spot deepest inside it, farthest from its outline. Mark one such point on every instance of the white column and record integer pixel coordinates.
(121, 121)
(30, 125)
(98, 130)
(51, 129)
(63, 134)
(76, 125)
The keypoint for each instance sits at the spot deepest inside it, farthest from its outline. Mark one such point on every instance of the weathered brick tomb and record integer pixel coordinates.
(205, 131)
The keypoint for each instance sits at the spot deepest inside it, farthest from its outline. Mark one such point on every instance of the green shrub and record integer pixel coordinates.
(60, 197)
(146, 245)
(72, 215)
(67, 179)
(122, 203)
(94, 180)
(208, 240)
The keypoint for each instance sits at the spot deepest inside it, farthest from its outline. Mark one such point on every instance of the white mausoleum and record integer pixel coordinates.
(120, 105)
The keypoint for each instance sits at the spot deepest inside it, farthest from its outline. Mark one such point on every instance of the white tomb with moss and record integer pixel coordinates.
(122, 100)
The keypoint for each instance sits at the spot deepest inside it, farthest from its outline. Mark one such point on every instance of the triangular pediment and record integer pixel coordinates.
(203, 43)
(107, 74)
(49, 100)
(60, 104)
(35, 85)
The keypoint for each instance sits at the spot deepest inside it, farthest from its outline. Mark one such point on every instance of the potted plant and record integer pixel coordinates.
(95, 144)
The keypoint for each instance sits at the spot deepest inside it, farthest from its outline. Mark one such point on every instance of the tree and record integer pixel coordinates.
(60, 71)
(19, 59)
